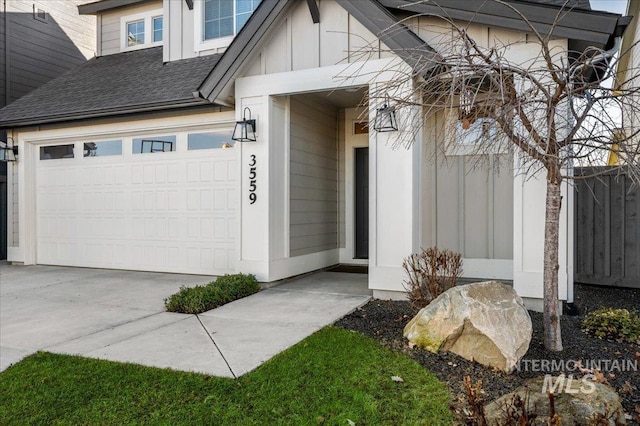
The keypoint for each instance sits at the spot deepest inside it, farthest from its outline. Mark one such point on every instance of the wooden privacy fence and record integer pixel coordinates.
(607, 228)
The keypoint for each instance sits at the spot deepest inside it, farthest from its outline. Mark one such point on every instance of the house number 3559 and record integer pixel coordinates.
(252, 180)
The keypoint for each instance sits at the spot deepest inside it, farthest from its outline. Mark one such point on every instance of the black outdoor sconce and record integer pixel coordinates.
(385, 118)
(8, 153)
(245, 130)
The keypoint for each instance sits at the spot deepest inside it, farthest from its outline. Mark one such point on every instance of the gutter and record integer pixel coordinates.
(129, 109)
(595, 61)
(7, 66)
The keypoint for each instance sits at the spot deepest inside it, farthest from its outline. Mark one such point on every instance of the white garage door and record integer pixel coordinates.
(102, 205)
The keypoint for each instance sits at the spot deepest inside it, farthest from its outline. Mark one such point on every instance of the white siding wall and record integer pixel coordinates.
(313, 177)
(110, 27)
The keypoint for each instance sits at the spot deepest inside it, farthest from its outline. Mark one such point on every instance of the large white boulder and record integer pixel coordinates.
(485, 322)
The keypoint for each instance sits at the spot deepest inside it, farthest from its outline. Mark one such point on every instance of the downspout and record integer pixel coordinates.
(602, 56)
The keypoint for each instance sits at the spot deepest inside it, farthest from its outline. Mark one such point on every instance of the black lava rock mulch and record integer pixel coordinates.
(385, 320)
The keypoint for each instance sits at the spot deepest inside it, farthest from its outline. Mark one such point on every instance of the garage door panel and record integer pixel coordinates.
(169, 213)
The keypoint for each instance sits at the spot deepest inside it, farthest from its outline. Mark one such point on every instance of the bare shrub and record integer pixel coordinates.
(430, 273)
(473, 393)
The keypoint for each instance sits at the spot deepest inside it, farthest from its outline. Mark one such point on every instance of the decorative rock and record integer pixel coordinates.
(576, 401)
(485, 322)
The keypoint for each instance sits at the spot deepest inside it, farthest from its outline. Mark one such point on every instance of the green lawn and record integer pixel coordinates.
(329, 378)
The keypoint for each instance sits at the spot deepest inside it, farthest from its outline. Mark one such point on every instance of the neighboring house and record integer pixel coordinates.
(629, 64)
(122, 162)
(39, 40)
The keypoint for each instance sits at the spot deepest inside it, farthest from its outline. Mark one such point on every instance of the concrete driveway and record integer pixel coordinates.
(119, 315)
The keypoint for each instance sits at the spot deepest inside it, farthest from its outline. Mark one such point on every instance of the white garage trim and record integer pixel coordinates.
(173, 211)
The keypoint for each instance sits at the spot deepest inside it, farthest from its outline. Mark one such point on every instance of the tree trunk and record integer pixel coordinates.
(551, 319)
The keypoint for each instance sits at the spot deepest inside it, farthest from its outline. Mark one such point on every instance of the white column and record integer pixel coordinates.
(394, 191)
(254, 170)
(528, 238)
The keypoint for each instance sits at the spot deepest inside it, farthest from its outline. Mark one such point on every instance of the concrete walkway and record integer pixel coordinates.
(119, 316)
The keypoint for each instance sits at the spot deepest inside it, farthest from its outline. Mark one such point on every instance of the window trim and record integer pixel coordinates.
(200, 43)
(456, 145)
(148, 18)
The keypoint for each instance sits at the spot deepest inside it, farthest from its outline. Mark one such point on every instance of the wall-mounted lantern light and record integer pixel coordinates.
(245, 130)
(386, 118)
(8, 153)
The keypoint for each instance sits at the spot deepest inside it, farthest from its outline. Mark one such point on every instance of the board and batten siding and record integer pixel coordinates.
(110, 25)
(467, 203)
(313, 177)
(297, 43)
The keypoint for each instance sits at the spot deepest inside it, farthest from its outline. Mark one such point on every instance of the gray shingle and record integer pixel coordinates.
(124, 81)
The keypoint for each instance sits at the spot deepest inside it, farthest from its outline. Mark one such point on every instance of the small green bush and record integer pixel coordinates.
(201, 298)
(620, 325)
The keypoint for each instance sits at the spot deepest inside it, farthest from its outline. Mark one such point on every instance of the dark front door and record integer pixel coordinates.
(362, 203)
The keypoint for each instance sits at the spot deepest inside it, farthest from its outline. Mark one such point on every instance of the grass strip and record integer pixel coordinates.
(332, 377)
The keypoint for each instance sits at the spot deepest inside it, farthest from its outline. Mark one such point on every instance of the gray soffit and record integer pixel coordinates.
(370, 13)
(99, 6)
(123, 83)
(594, 27)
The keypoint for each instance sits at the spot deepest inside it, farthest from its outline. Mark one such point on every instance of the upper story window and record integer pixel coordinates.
(142, 30)
(135, 33)
(221, 20)
(157, 28)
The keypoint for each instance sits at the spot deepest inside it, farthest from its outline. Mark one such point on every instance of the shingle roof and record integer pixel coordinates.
(115, 84)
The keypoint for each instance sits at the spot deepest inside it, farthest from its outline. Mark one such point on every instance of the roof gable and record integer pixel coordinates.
(264, 22)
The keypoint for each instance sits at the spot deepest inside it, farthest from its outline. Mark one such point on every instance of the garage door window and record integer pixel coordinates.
(211, 140)
(55, 152)
(101, 149)
(154, 144)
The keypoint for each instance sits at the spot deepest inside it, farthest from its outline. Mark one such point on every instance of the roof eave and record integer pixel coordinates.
(593, 27)
(102, 5)
(84, 115)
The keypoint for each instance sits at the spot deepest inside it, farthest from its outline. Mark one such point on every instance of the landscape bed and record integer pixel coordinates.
(385, 320)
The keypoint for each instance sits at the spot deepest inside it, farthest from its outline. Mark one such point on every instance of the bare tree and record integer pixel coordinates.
(551, 111)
